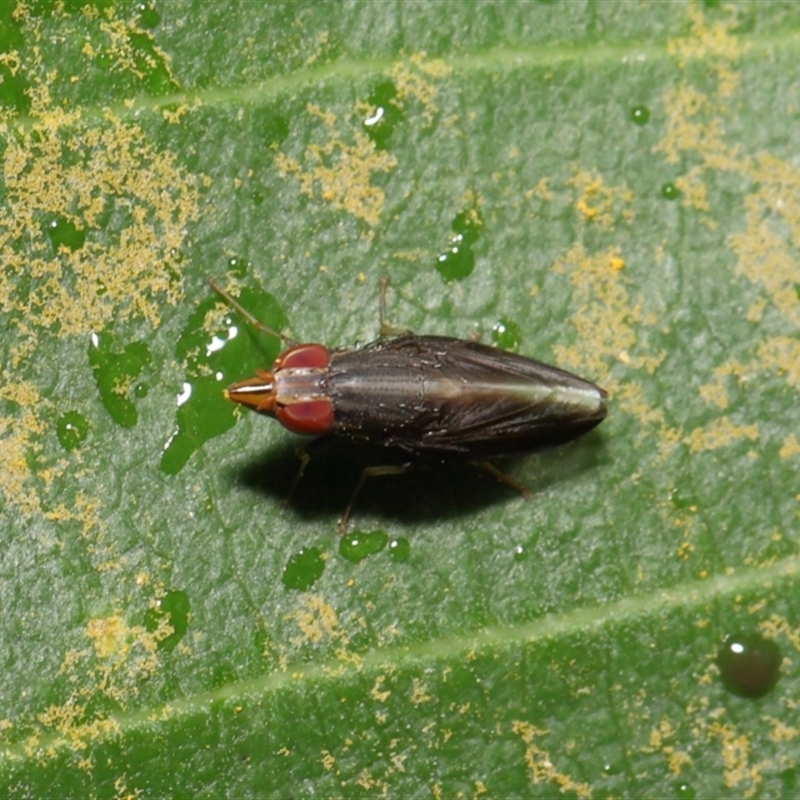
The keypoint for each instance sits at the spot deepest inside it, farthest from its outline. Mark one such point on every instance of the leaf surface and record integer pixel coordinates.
(611, 187)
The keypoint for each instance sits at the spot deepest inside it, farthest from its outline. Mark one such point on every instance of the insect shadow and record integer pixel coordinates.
(431, 490)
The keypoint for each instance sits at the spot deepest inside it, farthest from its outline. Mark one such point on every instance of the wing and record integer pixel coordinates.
(440, 395)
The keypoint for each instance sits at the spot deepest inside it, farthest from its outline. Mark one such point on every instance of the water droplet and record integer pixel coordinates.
(215, 358)
(789, 781)
(384, 115)
(684, 791)
(158, 83)
(681, 500)
(303, 569)
(519, 553)
(172, 610)
(148, 16)
(457, 261)
(149, 62)
(62, 232)
(184, 394)
(611, 768)
(640, 115)
(72, 429)
(749, 664)
(357, 546)
(455, 264)
(506, 334)
(375, 118)
(669, 191)
(15, 84)
(114, 372)
(274, 129)
(103, 61)
(141, 390)
(400, 550)
(238, 266)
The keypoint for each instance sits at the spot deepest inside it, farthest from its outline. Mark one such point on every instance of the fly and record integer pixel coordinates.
(422, 395)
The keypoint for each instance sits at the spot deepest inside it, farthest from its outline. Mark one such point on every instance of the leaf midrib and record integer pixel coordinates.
(501, 57)
(551, 626)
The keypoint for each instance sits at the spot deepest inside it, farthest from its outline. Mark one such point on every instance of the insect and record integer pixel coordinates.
(422, 395)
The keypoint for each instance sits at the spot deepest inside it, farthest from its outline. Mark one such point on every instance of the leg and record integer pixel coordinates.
(369, 472)
(304, 454)
(386, 329)
(502, 477)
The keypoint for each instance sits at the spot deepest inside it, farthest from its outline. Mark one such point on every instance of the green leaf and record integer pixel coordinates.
(612, 187)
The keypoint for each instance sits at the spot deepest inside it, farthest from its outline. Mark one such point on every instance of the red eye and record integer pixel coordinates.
(303, 356)
(309, 417)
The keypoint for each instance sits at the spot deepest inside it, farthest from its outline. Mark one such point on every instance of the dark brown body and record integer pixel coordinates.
(438, 395)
